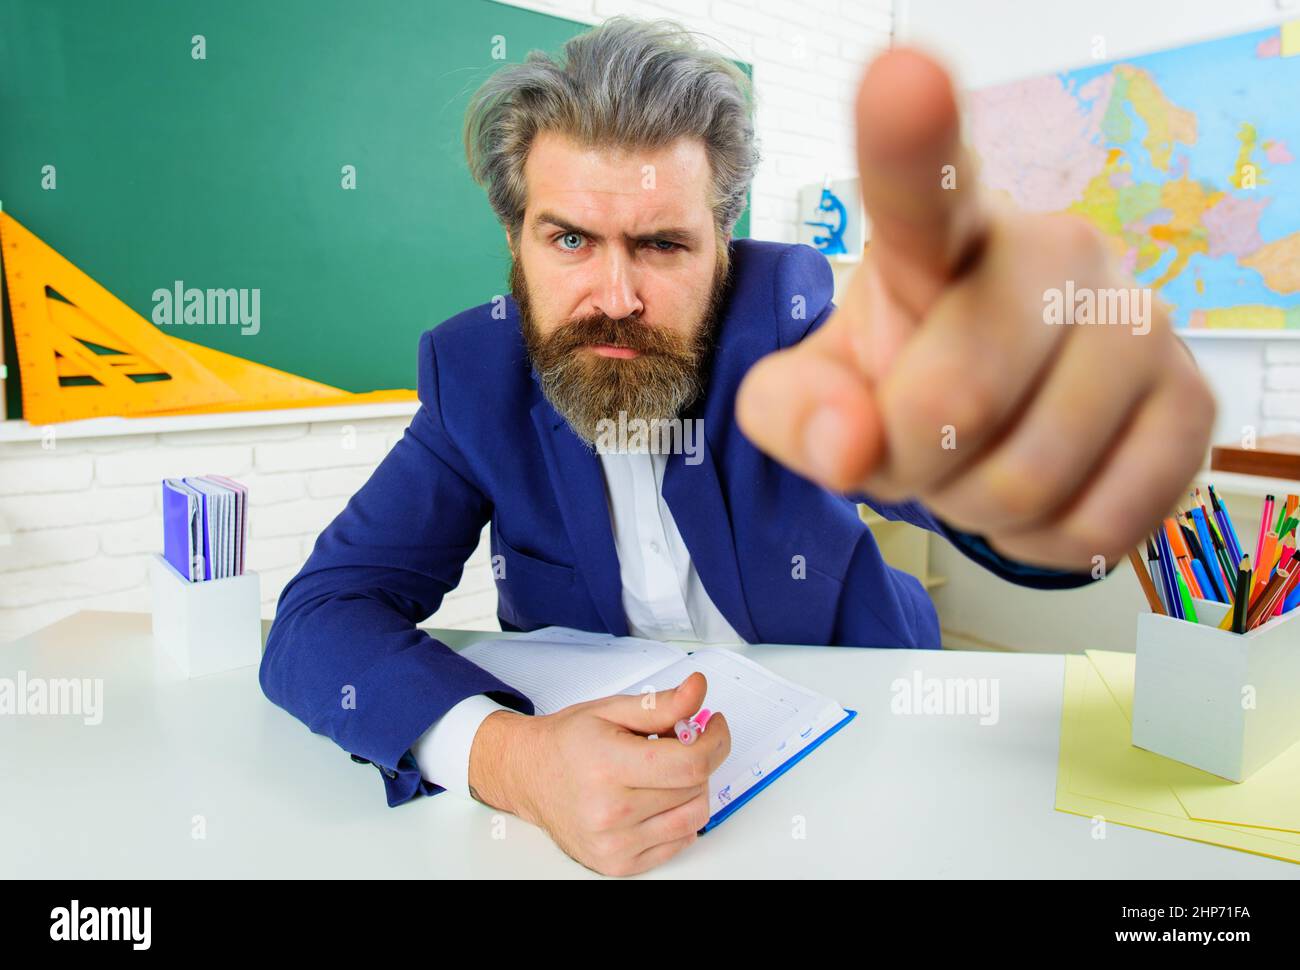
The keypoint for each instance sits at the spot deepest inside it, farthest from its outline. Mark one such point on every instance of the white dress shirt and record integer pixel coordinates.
(663, 599)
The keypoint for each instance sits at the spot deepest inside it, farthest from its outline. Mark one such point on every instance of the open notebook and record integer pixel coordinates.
(773, 722)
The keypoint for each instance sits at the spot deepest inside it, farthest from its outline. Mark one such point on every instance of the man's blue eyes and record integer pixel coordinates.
(571, 242)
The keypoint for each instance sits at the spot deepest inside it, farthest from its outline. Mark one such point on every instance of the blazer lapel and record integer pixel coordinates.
(580, 490)
(694, 496)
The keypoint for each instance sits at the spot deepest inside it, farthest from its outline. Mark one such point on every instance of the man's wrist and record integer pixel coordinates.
(492, 757)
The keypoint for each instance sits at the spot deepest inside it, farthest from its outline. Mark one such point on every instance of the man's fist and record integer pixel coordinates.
(940, 377)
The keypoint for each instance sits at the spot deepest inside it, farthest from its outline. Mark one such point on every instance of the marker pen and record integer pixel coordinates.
(688, 731)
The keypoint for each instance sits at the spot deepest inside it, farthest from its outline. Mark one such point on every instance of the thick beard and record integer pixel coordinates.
(586, 389)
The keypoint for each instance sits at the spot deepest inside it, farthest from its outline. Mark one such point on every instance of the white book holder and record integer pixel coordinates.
(209, 626)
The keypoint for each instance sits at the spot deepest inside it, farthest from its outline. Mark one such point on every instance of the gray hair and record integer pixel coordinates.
(626, 83)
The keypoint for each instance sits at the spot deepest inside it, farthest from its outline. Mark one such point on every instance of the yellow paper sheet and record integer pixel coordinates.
(1101, 774)
(1291, 38)
(1269, 799)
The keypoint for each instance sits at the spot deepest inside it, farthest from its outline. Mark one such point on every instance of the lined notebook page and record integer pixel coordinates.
(556, 667)
(771, 719)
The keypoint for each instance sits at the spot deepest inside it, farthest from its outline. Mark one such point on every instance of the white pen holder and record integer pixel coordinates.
(1227, 703)
(209, 626)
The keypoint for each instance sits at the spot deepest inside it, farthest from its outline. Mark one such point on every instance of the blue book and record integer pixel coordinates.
(182, 522)
(774, 722)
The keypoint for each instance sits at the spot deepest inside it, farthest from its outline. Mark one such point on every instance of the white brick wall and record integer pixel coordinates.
(84, 515)
(1281, 399)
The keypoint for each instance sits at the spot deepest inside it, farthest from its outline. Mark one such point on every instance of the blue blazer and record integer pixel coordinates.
(486, 446)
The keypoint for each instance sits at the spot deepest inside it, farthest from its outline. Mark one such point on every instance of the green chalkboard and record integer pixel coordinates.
(227, 171)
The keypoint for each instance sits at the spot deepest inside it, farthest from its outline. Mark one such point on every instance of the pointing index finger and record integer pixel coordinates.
(917, 185)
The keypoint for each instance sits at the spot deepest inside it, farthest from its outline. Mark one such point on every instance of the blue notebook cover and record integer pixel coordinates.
(176, 528)
(727, 812)
(182, 517)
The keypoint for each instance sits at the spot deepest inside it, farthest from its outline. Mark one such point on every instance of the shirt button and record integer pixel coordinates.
(654, 547)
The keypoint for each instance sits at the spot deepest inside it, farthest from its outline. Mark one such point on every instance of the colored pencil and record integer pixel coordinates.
(1144, 580)
(1264, 571)
(1279, 585)
(1225, 524)
(1263, 527)
(1242, 596)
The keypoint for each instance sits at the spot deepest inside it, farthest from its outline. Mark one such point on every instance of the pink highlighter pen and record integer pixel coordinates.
(688, 731)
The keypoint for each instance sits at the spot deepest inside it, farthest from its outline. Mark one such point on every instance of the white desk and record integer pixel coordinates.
(889, 796)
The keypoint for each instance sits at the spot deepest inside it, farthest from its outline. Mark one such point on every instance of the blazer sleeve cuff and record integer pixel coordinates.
(396, 701)
(976, 548)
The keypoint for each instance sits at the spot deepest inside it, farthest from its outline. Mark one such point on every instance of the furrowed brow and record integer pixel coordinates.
(683, 237)
(559, 222)
(673, 234)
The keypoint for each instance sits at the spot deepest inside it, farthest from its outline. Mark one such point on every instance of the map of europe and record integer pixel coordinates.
(1185, 159)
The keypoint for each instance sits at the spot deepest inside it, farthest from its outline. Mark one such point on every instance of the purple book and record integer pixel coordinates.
(181, 520)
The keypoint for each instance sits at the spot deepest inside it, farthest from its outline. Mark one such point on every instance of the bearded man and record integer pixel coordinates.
(936, 393)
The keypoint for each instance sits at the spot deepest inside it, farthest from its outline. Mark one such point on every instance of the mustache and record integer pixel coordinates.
(630, 332)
